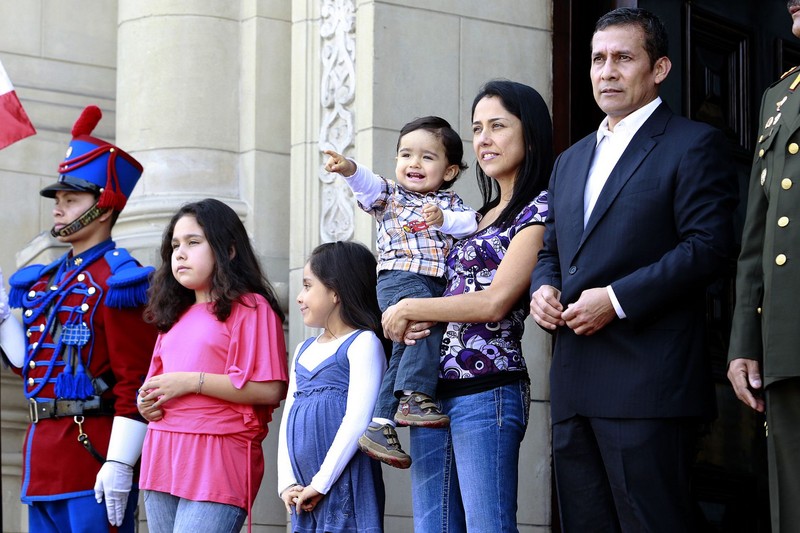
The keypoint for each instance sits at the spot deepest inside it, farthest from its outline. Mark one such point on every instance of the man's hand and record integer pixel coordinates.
(546, 309)
(745, 376)
(339, 164)
(432, 215)
(113, 483)
(590, 313)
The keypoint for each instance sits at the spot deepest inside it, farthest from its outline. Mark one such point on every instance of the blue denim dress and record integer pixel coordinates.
(355, 502)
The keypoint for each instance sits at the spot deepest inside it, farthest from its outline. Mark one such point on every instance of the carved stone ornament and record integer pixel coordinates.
(337, 131)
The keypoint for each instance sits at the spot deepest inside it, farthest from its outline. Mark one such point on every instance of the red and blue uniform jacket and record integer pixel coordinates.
(86, 339)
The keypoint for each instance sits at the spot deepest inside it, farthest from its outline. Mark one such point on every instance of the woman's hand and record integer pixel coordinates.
(162, 388)
(416, 331)
(290, 496)
(394, 322)
(308, 499)
(146, 408)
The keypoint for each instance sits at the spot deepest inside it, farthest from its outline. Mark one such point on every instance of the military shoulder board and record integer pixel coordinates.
(129, 281)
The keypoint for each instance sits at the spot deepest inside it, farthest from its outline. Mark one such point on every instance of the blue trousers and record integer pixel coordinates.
(78, 515)
(414, 367)
(465, 477)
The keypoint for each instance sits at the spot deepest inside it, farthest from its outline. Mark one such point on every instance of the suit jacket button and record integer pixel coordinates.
(786, 184)
(783, 222)
(573, 269)
(794, 148)
(780, 260)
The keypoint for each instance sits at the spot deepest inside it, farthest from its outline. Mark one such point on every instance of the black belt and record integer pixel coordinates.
(95, 406)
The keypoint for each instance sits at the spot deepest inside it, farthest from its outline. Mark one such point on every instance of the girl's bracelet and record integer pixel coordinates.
(200, 385)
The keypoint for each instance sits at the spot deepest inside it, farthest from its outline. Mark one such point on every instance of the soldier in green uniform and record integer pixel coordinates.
(764, 357)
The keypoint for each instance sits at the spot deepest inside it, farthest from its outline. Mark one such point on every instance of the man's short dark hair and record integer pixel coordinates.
(656, 41)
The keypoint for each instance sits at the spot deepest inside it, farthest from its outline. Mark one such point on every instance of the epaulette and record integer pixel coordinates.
(127, 286)
(789, 71)
(23, 279)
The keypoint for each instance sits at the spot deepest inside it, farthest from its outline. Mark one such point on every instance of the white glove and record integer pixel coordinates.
(114, 483)
(12, 340)
(115, 477)
(12, 336)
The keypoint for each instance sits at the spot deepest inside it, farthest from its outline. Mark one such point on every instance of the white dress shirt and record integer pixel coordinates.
(609, 148)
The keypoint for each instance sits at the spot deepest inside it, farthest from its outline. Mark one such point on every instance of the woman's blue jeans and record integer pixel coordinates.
(465, 476)
(167, 513)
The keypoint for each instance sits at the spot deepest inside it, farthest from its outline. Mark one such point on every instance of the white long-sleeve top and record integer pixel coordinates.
(367, 366)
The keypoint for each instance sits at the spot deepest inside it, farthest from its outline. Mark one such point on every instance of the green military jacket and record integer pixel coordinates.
(766, 319)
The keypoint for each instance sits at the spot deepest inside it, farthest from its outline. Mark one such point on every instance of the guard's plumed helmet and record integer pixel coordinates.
(96, 166)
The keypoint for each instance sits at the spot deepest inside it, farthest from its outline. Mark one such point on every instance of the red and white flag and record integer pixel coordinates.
(14, 122)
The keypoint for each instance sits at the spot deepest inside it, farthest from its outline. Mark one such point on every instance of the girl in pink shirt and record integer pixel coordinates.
(218, 371)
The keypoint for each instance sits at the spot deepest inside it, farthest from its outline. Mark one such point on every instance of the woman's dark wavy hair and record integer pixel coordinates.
(234, 275)
(349, 269)
(451, 141)
(533, 175)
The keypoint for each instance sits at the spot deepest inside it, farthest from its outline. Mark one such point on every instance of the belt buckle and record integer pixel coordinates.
(33, 413)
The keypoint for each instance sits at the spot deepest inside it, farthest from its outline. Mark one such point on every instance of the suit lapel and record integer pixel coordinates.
(640, 146)
(573, 203)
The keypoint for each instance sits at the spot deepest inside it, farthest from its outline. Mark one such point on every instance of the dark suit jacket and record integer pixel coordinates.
(660, 230)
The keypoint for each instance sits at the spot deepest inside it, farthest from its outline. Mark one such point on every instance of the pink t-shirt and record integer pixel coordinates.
(206, 449)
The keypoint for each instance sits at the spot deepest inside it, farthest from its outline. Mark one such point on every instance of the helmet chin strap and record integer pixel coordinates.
(89, 216)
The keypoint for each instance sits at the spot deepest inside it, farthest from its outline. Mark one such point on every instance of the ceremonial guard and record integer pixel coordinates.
(764, 359)
(87, 351)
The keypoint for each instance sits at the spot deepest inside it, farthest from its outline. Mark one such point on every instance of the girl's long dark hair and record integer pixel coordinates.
(527, 105)
(349, 269)
(237, 270)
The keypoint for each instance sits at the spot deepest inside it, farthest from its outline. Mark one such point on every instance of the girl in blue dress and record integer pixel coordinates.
(326, 483)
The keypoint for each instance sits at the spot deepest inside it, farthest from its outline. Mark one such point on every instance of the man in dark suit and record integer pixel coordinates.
(639, 223)
(764, 356)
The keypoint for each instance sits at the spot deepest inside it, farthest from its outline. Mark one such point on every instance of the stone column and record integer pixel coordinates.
(177, 110)
(324, 102)
(203, 104)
